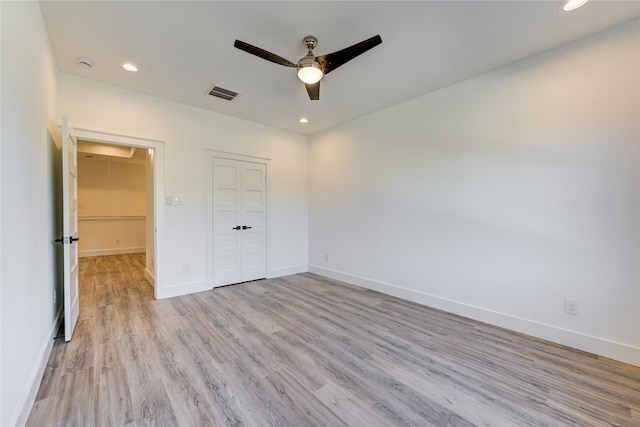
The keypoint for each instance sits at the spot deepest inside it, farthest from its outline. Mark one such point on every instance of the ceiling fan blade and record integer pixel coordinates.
(331, 61)
(263, 54)
(313, 90)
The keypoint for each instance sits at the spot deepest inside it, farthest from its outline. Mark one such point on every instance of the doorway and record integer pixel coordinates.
(112, 199)
(153, 232)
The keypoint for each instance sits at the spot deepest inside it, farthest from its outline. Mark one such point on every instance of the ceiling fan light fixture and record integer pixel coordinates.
(309, 70)
(310, 74)
(570, 5)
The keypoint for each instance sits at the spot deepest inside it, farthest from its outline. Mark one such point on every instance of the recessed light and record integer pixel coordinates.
(130, 67)
(570, 5)
(304, 120)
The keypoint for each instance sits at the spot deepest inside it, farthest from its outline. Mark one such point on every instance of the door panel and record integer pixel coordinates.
(239, 216)
(226, 217)
(254, 215)
(70, 229)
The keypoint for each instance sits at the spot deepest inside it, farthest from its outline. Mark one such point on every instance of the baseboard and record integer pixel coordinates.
(149, 276)
(190, 288)
(596, 345)
(118, 251)
(183, 289)
(287, 271)
(35, 378)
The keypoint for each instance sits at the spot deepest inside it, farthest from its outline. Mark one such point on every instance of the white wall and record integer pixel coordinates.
(111, 235)
(27, 281)
(110, 188)
(189, 134)
(498, 197)
(112, 207)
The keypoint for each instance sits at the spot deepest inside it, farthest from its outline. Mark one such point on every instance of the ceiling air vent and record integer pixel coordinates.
(226, 94)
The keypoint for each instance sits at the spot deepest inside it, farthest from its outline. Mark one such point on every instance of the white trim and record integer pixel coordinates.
(114, 138)
(158, 183)
(600, 346)
(1, 121)
(149, 276)
(29, 397)
(186, 288)
(103, 252)
(288, 271)
(112, 218)
(209, 188)
(238, 156)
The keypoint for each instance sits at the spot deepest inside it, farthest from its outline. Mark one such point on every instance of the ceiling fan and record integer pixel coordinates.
(312, 68)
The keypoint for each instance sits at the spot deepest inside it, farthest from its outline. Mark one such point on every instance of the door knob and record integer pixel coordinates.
(245, 227)
(236, 228)
(70, 240)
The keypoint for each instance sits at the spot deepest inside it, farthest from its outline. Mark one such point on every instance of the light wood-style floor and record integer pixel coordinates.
(304, 350)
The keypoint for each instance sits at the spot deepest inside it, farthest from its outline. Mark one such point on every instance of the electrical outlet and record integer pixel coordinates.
(571, 306)
(185, 269)
(326, 257)
(117, 241)
(55, 296)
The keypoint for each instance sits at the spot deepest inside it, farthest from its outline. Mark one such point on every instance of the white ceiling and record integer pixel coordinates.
(97, 151)
(182, 48)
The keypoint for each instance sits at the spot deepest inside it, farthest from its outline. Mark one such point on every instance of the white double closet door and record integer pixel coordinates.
(239, 221)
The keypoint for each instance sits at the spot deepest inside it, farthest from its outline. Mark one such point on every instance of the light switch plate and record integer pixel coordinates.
(174, 200)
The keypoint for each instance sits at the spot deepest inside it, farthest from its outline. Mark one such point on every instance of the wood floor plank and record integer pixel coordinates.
(113, 397)
(150, 402)
(80, 352)
(293, 396)
(437, 386)
(81, 409)
(380, 387)
(299, 362)
(305, 350)
(41, 412)
(50, 378)
(348, 406)
(154, 408)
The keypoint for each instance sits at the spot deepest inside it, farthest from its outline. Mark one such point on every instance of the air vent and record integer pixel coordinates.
(223, 93)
